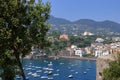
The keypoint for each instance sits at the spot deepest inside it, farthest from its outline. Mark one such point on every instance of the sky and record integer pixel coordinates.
(98, 10)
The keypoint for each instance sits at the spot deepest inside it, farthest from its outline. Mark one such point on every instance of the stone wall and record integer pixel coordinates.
(102, 63)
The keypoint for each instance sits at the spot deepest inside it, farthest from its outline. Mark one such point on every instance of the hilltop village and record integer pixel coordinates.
(86, 45)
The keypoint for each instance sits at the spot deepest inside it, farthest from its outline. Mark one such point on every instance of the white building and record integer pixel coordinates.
(79, 52)
(74, 47)
(99, 40)
(87, 33)
(101, 52)
(106, 53)
(98, 53)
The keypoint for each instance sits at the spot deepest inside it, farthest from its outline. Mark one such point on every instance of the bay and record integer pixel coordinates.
(60, 69)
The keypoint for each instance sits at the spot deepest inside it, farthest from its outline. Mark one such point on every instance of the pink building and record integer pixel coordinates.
(64, 36)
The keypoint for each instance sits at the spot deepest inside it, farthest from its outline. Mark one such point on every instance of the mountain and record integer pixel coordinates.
(81, 25)
(54, 20)
(103, 24)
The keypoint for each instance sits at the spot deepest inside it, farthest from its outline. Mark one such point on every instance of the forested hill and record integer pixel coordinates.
(79, 26)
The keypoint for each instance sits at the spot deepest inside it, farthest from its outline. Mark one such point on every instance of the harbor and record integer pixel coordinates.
(59, 69)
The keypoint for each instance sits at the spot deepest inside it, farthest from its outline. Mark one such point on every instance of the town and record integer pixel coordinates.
(96, 48)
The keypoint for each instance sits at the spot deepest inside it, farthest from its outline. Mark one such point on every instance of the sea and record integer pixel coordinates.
(59, 69)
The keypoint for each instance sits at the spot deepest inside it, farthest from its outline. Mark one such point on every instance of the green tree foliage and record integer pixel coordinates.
(82, 41)
(22, 24)
(113, 72)
(39, 27)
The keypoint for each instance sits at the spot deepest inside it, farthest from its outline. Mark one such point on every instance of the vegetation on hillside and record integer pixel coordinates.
(61, 44)
(113, 71)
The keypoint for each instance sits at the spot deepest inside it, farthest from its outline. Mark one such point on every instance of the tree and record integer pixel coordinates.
(113, 72)
(22, 24)
(39, 27)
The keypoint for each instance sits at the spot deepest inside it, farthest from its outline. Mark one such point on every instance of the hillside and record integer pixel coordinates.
(79, 26)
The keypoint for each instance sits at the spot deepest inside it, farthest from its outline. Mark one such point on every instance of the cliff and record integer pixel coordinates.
(102, 63)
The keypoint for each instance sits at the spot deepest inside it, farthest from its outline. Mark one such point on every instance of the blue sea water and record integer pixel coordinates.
(60, 69)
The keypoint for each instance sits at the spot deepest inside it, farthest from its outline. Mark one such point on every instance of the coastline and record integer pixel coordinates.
(75, 57)
(70, 57)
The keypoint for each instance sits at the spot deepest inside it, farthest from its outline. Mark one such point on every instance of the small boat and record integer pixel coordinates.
(38, 67)
(44, 77)
(29, 73)
(88, 69)
(28, 68)
(49, 72)
(55, 74)
(18, 77)
(35, 75)
(45, 68)
(57, 70)
(70, 76)
(61, 63)
(45, 71)
(76, 72)
(50, 69)
(27, 78)
(50, 64)
(85, 72)
(39, 71)
(50, 78)
(72, 70)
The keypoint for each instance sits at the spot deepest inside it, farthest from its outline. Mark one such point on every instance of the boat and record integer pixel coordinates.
(76, 72)
(55, 74)
(85, 72)
(50, 78)
(35, 75)
(18, 77)
(57, 70)
(70, 76)
(44, 77)
(28, 68)
(38, 67)
(39, 71)
(49, 72)
(61, 63)
(29, 73)
(50, 64)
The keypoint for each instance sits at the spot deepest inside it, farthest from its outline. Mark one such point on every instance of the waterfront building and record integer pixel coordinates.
(88, 50)
(79, 52)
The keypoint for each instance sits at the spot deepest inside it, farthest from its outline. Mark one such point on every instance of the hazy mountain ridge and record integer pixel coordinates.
(54, 20)
(81, 25)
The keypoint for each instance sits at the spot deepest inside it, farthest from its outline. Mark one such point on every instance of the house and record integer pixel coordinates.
(73, 47)
(106, 53)
(98, 52)
(87, 33)
(64, 36)
(99, 40)
(116, 39)
(88, 50)
(79, 52)
(71, 51)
